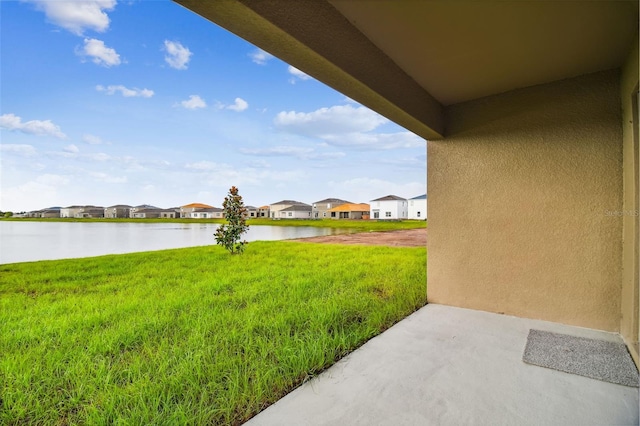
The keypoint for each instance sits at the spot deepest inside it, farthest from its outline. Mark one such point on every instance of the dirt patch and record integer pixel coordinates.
(403, 238)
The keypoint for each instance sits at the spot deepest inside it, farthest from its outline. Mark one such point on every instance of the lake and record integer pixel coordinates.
(31, 241)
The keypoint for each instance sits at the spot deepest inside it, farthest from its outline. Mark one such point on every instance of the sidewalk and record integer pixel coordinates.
(453, 366)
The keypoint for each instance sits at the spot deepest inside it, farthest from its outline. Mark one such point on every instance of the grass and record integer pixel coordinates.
(190, 336)
(356, 225)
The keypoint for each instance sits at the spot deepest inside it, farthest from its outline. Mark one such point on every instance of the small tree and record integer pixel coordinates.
(235, 213)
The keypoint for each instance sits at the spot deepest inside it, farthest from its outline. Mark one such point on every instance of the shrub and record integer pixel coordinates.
(235, 213)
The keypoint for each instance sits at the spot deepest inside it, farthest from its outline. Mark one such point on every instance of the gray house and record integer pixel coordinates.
(207, 213)
(89, 212)
(117, 211)
(320, 208)
(141, 207)
(152, 213)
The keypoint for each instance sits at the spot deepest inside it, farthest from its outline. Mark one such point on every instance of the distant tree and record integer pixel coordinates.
(8, 214)
(235, 213)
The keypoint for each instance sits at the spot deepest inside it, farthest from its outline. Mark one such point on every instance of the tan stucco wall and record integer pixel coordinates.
(629, 299)
(518, 198)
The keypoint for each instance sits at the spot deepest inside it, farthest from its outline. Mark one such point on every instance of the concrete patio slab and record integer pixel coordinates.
(451, 366)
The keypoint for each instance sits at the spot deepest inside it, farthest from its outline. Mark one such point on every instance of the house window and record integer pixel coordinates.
(418, 214)
(333, 214)
(387, 214)
(290, 214)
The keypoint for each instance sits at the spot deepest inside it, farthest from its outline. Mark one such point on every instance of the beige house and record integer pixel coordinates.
(530, 110)
(263, 211)
(290, 209)
(186, 210)
(70, 211)
(252, 212)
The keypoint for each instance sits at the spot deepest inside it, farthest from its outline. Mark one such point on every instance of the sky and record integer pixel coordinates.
(145, 102)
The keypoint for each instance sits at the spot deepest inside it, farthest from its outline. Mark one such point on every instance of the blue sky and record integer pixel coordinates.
(145, 102)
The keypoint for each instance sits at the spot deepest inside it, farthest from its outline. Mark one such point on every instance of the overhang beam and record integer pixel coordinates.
(314, 37)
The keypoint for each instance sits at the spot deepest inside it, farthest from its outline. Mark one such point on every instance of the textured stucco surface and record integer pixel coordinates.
(519, 200)
(629, 298)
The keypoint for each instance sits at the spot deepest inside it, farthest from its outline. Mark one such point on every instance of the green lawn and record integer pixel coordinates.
(190, 336)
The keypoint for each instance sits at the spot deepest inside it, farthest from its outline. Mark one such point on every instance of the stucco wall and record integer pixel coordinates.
(523, 195)
(629, 298)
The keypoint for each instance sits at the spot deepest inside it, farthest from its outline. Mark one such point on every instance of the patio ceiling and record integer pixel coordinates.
(409, 59)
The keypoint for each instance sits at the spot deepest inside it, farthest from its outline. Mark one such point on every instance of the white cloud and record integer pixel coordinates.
(53, 180)
(20, 149)
(376, 140)
(34, 194)
(239, 105)
(260, 57)
(194, 102)
(297, 75)
(177, 55)
(222, 175)
(293, 151)
(329, 121)
(92, 139)
(367, 189)
(101, 54)
(206, 166)
(101, 156)
(126, 92)
(32, 127)
(105, 177)
(346, 126)
(72, 149)
(77, 16)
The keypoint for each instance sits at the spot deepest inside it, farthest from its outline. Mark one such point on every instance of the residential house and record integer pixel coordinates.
(350, 211)
(209, 213)
(117, 211)
(136, 209)
(530, 115)
(418, 207)
(44, 213)
(186, 210)
(390, 207)
(252, 212)
(298, 212)
(70, 211)
(89, 212)
(263, 211)
(170, 213)
(150, 213)
(50, 212)
(320, 208)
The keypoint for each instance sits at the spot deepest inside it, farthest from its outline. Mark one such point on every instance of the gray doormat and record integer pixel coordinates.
(597, 359)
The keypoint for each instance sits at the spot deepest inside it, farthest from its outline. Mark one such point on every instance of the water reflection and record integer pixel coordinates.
(30, 241)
